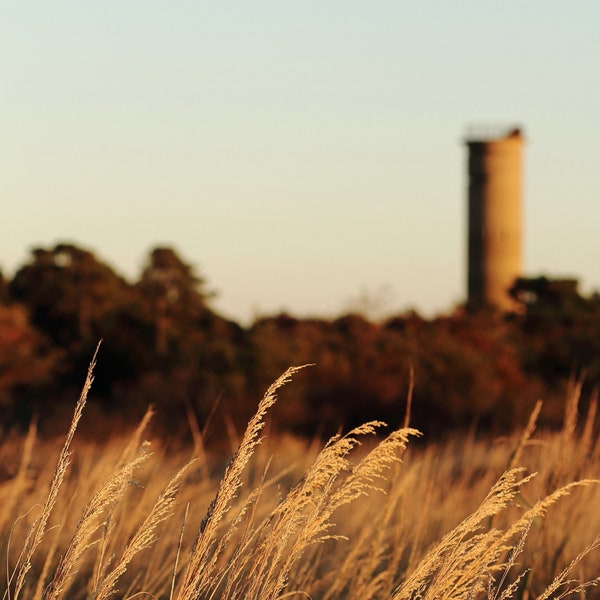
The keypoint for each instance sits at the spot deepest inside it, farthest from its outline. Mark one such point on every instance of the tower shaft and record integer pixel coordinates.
(495, 193)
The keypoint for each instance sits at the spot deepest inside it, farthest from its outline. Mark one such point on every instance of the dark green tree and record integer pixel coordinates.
(68, 292)
(560, 330)
(175, 295)
(74, 300)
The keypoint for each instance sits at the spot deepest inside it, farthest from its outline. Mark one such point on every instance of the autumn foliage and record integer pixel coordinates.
(164, 345)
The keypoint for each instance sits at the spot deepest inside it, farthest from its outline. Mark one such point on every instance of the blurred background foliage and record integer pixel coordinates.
(164, 345)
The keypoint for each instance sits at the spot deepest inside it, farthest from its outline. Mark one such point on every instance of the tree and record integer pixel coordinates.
(68, 292)
(544, 297)
(74, 300)
(176, 295)
(560, 331)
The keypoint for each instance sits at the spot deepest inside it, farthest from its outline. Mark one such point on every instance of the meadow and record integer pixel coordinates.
(370, 514)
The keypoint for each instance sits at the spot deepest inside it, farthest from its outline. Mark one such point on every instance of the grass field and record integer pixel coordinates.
(370, 514)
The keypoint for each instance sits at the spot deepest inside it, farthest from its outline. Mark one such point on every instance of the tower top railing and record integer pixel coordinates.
(487, 132)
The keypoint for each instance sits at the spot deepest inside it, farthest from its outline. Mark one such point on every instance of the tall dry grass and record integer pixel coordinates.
(365, 516)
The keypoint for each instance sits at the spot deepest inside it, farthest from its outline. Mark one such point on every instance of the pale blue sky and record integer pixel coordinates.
(299, 154)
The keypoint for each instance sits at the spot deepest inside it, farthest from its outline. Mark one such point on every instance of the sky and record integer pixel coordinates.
(306, 156)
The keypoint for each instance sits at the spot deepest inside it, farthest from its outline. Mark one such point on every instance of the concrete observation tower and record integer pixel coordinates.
(495, 191)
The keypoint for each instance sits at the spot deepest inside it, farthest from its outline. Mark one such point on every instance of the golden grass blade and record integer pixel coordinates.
(109, 494)
(515, 460)
(145, 535)
(561, 580)
(39, 527)
(201, 565)
(460, 544)
(132, 448)
(15, 492)
(321, 529)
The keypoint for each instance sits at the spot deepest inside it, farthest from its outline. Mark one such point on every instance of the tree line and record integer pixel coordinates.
(164, 345)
